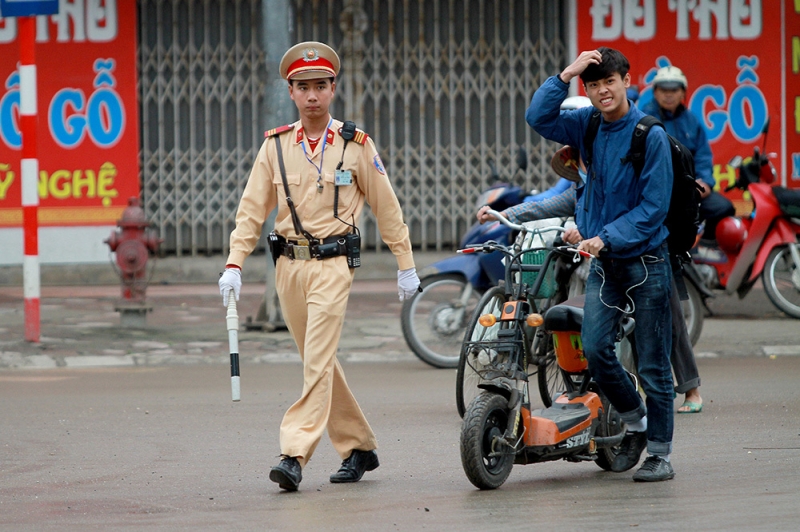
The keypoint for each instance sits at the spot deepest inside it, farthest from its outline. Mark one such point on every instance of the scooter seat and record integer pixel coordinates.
(788, 200)
(566, 316)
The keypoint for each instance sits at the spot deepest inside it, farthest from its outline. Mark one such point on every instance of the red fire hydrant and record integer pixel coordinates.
(133, 242)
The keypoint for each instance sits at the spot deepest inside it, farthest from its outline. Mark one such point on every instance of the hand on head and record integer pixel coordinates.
(589, 57)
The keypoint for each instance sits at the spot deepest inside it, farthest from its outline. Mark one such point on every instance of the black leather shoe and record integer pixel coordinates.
(630, 451)
(355, 465)
(287, 474)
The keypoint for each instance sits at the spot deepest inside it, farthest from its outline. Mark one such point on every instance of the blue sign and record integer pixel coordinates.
(27, 8)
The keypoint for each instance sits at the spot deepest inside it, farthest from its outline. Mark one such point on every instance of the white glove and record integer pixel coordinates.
(407, 283)
(231, 279)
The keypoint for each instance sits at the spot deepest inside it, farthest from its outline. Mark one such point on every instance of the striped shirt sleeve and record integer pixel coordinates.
(561, 205)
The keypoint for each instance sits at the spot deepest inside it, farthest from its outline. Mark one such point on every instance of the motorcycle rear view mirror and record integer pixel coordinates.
(522, 159)
(736, 162)
(493, 169)
(765, 129)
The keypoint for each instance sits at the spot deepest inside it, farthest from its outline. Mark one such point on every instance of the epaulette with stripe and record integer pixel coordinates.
(359, 138)
(278, 130)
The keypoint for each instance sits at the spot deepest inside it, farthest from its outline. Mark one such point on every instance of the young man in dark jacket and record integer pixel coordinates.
(621, 219)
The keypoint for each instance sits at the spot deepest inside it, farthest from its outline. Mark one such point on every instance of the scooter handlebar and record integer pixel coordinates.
(518, 227)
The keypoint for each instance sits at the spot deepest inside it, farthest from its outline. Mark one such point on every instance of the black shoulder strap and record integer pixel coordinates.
(348, 131)
(298, 227)
(636, 154)
(590, 135)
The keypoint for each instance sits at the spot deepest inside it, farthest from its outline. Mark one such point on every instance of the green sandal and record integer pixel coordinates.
(690, 408)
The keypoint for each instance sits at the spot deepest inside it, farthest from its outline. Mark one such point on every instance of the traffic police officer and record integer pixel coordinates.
(329, 169)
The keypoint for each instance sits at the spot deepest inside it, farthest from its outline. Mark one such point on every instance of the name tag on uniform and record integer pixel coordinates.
(343, 177)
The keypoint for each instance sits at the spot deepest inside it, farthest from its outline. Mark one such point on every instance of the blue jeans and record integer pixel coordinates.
(647, 280)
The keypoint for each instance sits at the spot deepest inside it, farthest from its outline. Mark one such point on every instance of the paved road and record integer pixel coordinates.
(104, 428)
(164, 448)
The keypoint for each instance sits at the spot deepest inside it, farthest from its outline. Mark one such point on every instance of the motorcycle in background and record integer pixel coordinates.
(765, 243)
(694, 307)
(434, 320)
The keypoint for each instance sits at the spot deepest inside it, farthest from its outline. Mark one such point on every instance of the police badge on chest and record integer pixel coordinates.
(343, 178)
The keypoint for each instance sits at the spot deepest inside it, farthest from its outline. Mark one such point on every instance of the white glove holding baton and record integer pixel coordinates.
(230, 279)
(407, 283)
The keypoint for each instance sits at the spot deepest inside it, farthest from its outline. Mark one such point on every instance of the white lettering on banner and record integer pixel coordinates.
(742, 10)
(68, 12)
(734, 19)
(76, 21)
(8, 30)
(600, 10)
(635, 19)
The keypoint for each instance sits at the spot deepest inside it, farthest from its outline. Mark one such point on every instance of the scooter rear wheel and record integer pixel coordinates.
(434, 320)
(549, 376)
(486, 464)
(782, 281)
(610, 425)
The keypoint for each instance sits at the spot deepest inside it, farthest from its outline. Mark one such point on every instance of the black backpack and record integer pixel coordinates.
(683, 217)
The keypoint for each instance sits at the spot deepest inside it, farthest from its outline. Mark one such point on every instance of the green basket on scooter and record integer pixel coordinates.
(548, 286)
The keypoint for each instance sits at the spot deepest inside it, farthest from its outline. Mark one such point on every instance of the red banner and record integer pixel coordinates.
(88, 124)
(735, 58)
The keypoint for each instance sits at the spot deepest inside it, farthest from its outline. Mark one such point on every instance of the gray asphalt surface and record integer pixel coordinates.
(163, 448)
(103, 428)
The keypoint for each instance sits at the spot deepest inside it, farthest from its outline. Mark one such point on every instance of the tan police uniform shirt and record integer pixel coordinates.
(264, 190)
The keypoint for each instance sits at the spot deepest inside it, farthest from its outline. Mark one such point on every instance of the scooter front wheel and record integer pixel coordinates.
(487, 462)
(781, 277)
(434, 320)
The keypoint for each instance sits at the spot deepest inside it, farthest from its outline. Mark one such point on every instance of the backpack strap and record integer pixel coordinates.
(590, 135)
(639, 143)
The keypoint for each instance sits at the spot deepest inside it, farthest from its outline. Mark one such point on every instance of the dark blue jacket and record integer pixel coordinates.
(626, 212)
(684, 126)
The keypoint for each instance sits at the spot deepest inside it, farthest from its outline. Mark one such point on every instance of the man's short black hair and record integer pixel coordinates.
(612, 62)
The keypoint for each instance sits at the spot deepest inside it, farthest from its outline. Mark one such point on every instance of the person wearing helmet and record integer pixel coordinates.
(669, 92)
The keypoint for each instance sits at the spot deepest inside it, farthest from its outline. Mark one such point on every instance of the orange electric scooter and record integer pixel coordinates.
(500, 428)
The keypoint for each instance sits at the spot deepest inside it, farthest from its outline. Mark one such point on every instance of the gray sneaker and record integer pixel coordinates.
(654, 469)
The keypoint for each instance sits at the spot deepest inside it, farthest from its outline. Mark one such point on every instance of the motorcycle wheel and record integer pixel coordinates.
(433, 321)
(467, 378)
(550, 378)
(693, 313)
(781, 279)
(486, 419)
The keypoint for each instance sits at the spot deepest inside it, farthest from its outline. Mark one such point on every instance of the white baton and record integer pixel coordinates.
(232, 319)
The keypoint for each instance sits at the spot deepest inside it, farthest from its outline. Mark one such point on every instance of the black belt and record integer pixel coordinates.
(333, 246)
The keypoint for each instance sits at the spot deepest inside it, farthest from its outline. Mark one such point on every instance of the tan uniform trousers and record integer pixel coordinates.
(313, 296)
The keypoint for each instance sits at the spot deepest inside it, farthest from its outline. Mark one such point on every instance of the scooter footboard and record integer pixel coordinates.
(554, 426)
